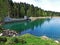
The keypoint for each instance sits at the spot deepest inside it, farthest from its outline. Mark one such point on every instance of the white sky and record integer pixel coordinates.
(53, 5)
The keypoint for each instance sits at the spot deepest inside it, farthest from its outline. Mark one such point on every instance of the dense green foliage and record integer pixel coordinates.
(3, 8)
(22, 9)
(26, 39)
(17, 10)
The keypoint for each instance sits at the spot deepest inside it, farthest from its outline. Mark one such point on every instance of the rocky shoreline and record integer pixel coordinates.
(12, 33)
(7, 32)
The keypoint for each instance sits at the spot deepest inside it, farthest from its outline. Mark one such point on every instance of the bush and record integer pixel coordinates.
(16, 40)
(3, 39)
(22, 41)
(1, 29)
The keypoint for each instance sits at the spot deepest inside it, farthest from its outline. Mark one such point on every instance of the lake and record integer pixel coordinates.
(40, 27)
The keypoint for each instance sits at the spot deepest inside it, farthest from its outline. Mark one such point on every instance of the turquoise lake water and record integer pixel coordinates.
(39, 27)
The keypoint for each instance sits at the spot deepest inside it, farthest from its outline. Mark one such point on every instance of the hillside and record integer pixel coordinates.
(26, 39)
(18, 10)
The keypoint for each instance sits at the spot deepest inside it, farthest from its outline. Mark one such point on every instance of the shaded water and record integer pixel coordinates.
(39, 27)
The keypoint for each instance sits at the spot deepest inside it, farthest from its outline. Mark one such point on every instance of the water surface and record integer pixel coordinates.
(39, 27)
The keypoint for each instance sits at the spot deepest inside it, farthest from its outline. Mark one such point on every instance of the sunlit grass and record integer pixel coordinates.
(26, 39)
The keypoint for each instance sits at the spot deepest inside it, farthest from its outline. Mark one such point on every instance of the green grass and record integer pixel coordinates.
(26, 39)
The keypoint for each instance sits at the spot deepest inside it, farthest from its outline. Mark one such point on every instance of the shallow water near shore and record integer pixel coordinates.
(49, 27)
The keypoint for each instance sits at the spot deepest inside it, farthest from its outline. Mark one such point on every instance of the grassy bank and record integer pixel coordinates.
(26, 39)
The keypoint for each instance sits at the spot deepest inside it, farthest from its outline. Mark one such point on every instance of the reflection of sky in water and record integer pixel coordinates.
(47, 27)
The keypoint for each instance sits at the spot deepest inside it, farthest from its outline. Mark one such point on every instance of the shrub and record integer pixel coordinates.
(3, 39)
(16, 40)
(22, 41)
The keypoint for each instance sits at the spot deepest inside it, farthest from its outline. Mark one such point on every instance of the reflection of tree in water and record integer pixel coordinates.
(48, 19)
(37, 23)
(20, 26)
